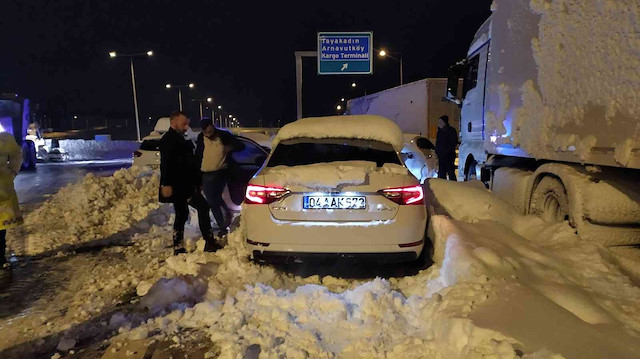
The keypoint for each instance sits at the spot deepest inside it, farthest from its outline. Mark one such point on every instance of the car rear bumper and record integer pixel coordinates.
(285, 257)
(400, 239)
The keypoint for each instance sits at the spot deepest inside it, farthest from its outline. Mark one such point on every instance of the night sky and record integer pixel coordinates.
(239, 52)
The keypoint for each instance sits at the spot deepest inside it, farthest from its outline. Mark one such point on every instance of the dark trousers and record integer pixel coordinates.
(182, 213)
(3, 245)
(447, 167)
(213, 184)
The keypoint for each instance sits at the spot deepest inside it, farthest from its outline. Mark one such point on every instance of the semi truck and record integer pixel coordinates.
(550, 113)
(415, 106)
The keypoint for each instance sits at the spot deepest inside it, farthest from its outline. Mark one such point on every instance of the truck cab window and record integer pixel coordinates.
(471, 75)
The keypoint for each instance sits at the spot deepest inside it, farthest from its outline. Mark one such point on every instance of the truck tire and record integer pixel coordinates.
(549, 200)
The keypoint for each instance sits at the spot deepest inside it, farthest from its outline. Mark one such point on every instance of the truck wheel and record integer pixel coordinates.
(549, 200)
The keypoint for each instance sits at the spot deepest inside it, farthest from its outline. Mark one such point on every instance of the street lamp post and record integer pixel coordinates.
(180, 87)
(219, 113)
(114, 54)
(383, 53)
(209, 100)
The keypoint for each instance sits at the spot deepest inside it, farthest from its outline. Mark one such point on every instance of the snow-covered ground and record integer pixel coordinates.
(503, 286)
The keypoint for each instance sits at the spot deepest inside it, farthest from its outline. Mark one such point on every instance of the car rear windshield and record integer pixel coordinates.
(305, 151)
(150, 145)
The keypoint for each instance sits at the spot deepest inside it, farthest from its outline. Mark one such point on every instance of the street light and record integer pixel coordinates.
(353, 84)
(114, 54)
(180, 87)
(383, 53)
(208, 99)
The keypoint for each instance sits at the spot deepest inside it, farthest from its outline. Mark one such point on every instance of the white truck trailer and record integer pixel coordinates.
(551, 112)
(415, 106)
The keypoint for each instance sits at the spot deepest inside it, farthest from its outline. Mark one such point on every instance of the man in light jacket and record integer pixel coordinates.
(213, 153)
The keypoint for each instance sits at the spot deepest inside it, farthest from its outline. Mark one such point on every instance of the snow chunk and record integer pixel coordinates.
(622, 152)
(365, 127)
(175, 290)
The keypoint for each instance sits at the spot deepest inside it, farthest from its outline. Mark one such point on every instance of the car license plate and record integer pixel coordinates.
(334, 202)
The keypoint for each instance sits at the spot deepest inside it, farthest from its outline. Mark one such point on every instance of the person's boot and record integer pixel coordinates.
(178, 243)
(211, 244)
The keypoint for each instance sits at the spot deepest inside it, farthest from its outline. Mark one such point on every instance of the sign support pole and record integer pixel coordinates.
(299, 56)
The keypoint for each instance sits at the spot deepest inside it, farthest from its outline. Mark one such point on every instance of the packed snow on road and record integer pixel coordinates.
(503, 286)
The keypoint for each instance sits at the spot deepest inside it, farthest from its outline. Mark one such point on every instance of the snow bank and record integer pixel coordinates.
(536, 275)
(248, 306)
(92, 210)
(329, 175)
(366, 127)
(97, 150)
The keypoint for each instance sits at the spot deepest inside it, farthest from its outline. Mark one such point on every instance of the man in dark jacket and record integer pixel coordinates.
(446, 143)
(180, 183)
(213, 154)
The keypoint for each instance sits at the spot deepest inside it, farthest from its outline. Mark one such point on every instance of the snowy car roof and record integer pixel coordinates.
(365, 127)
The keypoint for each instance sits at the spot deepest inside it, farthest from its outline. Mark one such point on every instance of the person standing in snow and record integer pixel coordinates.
(180, 183)
(212, 151)
(11, 158)
(446, 144)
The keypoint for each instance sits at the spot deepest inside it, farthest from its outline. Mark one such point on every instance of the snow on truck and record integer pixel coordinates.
(550, 112)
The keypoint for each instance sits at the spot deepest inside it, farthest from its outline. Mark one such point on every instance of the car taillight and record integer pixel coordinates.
(137, 153)
(263, 195)
(404, 195)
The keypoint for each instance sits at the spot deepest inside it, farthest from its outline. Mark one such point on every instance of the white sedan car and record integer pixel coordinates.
(336, 186)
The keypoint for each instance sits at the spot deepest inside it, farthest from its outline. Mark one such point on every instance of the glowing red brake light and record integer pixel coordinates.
(263, 195)
(404, 195)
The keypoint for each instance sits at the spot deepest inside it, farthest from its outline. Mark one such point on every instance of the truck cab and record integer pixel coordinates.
(474, 73)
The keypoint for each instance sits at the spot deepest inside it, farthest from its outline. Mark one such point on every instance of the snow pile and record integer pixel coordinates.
(94, 150)
(547, 277)
(329, 175)
(366, 127)
(92, 210)
(247, 307)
